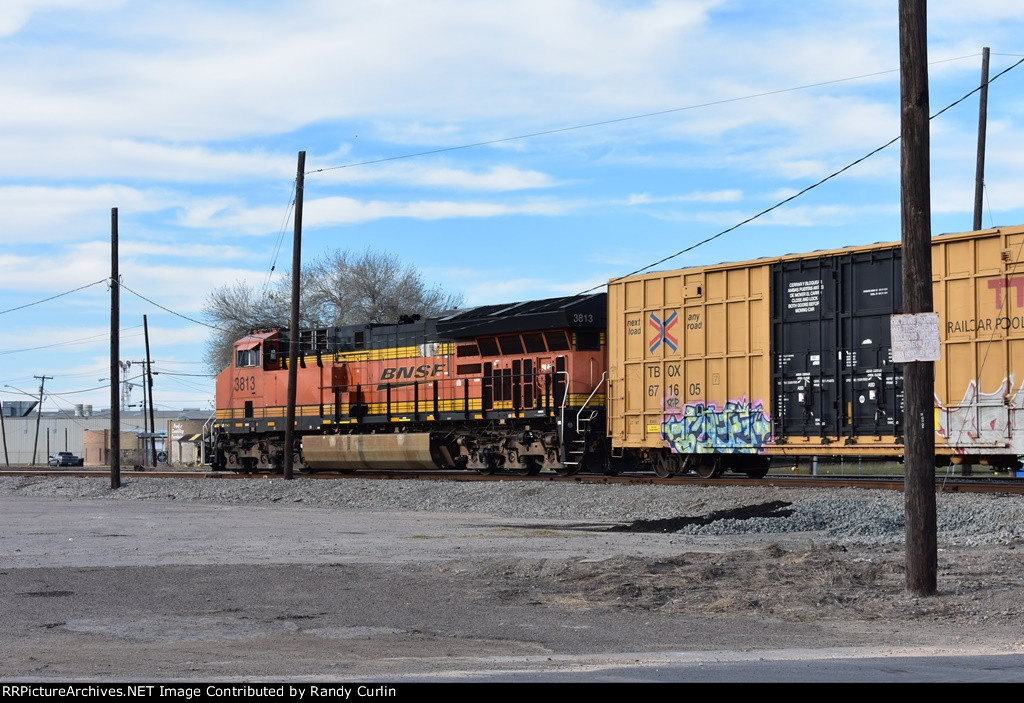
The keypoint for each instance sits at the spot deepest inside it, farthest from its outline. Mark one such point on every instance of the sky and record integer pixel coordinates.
(509, 151)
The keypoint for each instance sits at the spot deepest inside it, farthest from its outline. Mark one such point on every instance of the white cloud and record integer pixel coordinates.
(719, 196)
(16, 14)
(338, 210)
(498, 178)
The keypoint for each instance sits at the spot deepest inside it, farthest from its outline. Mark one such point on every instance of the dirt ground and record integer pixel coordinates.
(171, 590)
(854, 590)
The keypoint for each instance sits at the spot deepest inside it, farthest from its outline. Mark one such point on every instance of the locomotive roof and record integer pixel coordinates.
(576, 311)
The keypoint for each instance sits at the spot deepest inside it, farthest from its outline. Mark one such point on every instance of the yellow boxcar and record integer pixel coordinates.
(721, 367)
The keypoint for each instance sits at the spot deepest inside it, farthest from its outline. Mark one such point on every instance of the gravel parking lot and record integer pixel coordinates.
(267, 579)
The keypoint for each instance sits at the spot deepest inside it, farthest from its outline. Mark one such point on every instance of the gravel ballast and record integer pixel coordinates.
(844, 516)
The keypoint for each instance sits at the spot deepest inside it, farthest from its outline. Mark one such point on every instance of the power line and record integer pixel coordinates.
(280, 238)
(177, 314)
(68, 343)
(54, 297)
(802, 192)
(173, 373)
(618, 120)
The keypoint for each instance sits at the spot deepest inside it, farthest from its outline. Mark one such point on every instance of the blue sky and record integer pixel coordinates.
(188, 117)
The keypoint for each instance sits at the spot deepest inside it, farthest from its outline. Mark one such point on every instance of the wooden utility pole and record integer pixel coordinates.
(3, 430)
(918, 376)
(39, 416)
(979, 176)
(293, 333)
(149, 381)
(146, 434)
(115, 353)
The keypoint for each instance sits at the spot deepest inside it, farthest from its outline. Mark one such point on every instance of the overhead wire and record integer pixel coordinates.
(54, 297)
(68, 343)
(177, 314)
(280, 238)
(615, 120)
(809, 188)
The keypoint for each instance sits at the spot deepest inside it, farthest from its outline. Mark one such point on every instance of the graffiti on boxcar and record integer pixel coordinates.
(981, 419)
(738, 427)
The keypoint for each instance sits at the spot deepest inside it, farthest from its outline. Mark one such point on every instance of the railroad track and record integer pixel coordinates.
(952, 484)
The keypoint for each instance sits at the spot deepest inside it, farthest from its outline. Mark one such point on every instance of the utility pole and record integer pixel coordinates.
(39, 415)
(3, 430)
(979, 177)
(149, 381)
(918, 376)
(293, 334)
(145, 422)
(115, 351)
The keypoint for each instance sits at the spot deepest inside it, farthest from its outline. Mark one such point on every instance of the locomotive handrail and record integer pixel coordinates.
(202, 445)
(587, 401)
(561, 418)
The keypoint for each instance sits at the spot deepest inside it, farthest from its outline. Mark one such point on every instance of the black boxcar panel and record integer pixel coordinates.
(804, 339)
(832, 363)
(871, 387)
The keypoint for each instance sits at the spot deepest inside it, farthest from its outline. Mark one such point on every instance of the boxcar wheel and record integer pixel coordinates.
(708, 468)
(665, 465)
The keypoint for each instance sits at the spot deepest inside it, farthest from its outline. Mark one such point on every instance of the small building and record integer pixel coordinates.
(87, 434)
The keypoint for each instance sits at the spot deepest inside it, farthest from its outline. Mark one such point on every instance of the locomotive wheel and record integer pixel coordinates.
(757, 473)
(569, 470)
(531, 468)
(708, 468)
(492, 463)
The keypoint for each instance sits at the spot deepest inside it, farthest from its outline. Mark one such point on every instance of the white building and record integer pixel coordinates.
(85, 433)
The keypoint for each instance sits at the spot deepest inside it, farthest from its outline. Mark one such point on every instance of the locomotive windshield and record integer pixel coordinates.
(247, 357)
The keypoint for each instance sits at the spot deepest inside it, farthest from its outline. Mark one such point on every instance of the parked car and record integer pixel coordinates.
(65, 459)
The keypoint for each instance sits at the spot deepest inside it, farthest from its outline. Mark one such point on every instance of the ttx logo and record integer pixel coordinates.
(999, 285)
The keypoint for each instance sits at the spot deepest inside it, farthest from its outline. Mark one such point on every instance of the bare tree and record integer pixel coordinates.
(340, 288)
(370, 287)
(236, 309)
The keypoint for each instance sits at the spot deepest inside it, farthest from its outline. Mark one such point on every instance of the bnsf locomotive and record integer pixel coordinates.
(698, 370)
(504, 387)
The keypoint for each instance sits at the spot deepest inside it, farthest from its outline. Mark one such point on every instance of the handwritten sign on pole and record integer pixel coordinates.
(915, 337)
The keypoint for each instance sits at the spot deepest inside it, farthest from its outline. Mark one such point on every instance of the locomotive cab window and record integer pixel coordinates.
(247, 357)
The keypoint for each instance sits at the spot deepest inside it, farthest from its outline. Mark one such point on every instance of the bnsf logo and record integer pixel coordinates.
(392, 373)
